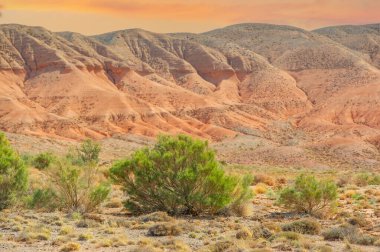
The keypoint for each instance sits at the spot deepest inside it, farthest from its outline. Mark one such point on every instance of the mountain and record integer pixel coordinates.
(301, 94)
(365, 39)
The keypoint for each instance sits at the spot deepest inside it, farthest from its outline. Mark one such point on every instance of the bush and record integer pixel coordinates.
(178, 175)
(88, 152)
(13, 174)
(265, 179)
(259, 231)
(244, 234)
(308, 195)
(44, 199)
(306, 226)
(349, 233)
(43, 160)
(164, 229)
(364, 179)
(77, 188)
(71, 246)
(289, 235)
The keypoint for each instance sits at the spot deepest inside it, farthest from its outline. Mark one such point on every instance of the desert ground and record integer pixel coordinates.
(278, 104)
(261, 225)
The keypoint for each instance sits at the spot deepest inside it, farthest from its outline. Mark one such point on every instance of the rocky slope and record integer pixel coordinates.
(302, 92)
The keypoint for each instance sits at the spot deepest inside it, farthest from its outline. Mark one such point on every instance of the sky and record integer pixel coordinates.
(99, 16)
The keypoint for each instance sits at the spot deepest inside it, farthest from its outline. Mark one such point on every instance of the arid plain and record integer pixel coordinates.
(273, 101)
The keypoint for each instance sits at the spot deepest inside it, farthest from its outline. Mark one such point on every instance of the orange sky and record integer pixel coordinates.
(98, 16)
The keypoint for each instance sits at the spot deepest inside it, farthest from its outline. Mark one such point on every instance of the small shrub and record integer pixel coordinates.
(85, 237)
(13, 174)
(244, 210)
(43, 160)
(34, 233)
(349, 233)
(178, 175)
(364, 179)
(259, 231)
(265, 179)
(308, 195)
(358, 220)
(164, 229)
(88, 152)
(118, 241)
(175, 245)
(343, 181)
(95, 217)
(71, 246)
(156, 217)
(44, 199)
(27, 158)
(114, 203)
(338, 233)
(242, 195)
(306, 226)
(66, 230)
(363, 239)
(244, 234)
(260, 188)
(77, 187)
(289, 235)
(224, 246)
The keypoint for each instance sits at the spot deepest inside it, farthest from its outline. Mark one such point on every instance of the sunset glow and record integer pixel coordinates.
(97, 16)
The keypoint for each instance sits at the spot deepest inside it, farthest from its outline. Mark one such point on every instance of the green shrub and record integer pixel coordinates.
(308, 195)
(242, 194)
(349, 233)
(365, 178)
(306, 226)
(27, 158)
(43, 160)
(178, 175)
(88, 152)
(44, 199)
(13, 174)
(77, 188)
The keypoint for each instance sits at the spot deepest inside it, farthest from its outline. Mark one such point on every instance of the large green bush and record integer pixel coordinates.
(13, 174)
(308, 195)
(178, 175)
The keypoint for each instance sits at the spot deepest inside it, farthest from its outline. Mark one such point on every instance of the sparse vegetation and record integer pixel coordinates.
(349, 233)
(71, 246)
(305, 226)
(265, 179)
(78, 187)
(366, 178)
(13, 174)
(244, 234)
(43, 160)
(308, 195)
(87, 153)
(44, 199)
(164, 229)
(70, 227)
(178, 175)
